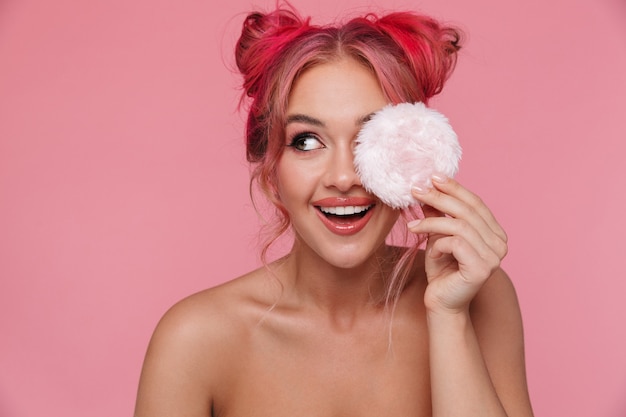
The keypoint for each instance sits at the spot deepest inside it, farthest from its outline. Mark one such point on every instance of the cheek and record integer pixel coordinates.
(289, 181)
(296, 178)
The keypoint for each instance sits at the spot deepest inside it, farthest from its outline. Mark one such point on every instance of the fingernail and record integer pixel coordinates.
(413, 223)
(441, 178)
(420, 189)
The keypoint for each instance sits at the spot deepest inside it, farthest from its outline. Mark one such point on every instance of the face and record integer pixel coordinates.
(331, 213)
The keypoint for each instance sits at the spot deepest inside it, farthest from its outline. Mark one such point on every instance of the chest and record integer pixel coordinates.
(315, 373)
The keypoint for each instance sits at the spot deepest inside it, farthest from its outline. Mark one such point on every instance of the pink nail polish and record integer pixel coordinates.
(413, 223)
(440, 178)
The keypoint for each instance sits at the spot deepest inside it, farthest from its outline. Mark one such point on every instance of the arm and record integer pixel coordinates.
(477, 365)
(477, 359)
(498, 325)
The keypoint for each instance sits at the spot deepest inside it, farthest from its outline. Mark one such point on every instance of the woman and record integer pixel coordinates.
(345, 324)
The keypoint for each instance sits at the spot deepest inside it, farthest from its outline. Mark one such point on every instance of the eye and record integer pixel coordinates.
(306, 142)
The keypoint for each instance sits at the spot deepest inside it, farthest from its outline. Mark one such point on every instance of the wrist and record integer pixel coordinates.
(448, 317)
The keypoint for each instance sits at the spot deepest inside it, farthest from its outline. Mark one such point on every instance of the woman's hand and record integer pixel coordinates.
(465, 244)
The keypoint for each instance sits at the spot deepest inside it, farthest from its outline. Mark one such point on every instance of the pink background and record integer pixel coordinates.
(123, 185)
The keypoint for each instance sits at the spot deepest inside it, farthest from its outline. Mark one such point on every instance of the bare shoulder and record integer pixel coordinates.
(209, 315)
(221, 307)
(496, 305)
(497, 321)
(196, 343)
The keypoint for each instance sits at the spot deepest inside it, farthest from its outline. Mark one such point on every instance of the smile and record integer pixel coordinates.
(346, 215)
(346, 210)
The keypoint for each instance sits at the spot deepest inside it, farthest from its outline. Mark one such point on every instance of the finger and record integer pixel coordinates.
(459, 210)
(452, 187)
(430, 211)
(451, 197)
(472, 266)
(446, 226)
(473, 210)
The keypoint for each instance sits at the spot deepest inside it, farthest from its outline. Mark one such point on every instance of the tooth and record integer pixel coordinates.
(344, 210)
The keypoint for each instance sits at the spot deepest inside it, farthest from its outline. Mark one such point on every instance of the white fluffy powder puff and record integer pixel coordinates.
(404, 145)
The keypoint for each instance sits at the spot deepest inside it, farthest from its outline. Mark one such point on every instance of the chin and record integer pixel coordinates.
(348, 259)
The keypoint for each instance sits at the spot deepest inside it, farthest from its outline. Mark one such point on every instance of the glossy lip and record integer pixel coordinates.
(344, 201)
(345, 229)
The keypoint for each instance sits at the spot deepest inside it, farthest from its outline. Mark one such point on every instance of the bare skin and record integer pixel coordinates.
(222, 352)
(307, 336)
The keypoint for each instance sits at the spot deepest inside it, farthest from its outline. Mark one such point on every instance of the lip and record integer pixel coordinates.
(345, 229)
(344, 201)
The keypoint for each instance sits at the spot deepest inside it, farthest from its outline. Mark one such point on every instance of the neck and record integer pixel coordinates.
(339, 292)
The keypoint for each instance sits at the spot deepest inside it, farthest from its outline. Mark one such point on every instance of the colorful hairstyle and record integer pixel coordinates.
(411, 55)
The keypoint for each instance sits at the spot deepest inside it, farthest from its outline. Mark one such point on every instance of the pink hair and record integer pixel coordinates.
(412, 56)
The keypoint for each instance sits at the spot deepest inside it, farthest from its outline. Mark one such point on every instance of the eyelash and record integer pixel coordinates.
(300, 138)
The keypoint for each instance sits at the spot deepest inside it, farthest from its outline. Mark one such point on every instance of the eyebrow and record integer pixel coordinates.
(303, 118)
(361, 120)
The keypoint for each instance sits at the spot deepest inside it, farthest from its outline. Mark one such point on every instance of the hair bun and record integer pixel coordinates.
(430, 47)
(261, 37)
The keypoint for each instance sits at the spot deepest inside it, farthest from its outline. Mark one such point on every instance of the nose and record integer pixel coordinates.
(340, 172)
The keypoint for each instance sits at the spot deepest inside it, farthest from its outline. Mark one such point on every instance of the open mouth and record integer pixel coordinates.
(345, 220)
(345, 213)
